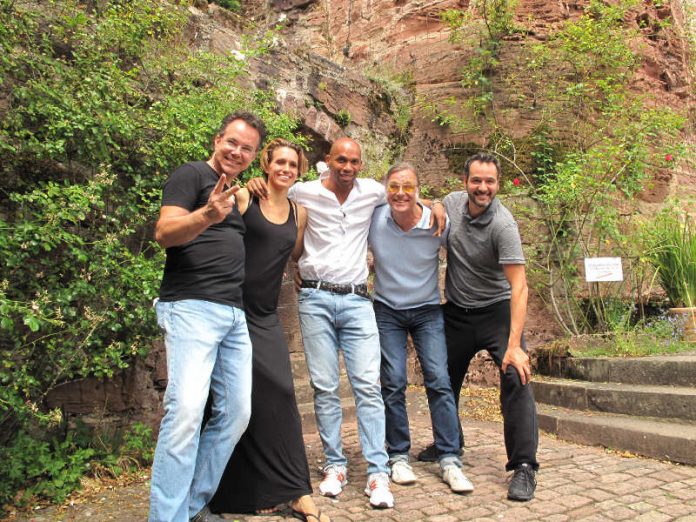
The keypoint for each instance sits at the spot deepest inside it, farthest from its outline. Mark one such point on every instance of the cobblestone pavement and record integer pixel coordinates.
(575, 483)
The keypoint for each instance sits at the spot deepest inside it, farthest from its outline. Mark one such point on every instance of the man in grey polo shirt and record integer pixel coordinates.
(407, 301)
(486, 292)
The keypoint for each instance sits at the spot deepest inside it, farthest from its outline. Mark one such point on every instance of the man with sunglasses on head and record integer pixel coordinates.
(407, 301)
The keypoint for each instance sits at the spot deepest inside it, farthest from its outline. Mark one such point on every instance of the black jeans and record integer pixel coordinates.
(469, 330)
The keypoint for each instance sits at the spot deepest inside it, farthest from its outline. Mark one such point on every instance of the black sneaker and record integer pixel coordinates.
(432, 454)
(523, 484)
(429, 454)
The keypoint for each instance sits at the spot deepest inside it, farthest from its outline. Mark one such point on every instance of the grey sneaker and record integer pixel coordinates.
(457, 481)
(523, 484)
(402, 473)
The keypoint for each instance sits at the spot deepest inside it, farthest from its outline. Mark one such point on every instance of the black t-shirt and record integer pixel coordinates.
(211, 267)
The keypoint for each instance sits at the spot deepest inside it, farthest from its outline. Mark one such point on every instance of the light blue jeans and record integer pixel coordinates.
(208, 349)
(332, 322)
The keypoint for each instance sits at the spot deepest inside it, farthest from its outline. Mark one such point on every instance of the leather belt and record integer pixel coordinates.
(360, 290)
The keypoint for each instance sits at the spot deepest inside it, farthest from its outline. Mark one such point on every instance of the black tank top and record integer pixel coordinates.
(268, 247)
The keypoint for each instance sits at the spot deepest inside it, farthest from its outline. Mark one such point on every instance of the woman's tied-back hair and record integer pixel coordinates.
(267, 155)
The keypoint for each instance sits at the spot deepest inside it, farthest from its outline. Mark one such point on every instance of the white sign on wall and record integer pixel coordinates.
(603, 269)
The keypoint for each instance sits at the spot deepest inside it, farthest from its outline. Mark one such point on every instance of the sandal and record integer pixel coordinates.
(306, 516)
(276, 511)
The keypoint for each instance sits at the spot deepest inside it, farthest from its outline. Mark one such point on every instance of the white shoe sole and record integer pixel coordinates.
(381, 505)
(404, 482)
(330, 493)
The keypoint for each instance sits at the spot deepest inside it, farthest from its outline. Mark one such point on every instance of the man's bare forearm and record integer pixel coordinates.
(178, 230)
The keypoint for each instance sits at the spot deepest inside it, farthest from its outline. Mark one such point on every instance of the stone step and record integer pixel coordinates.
(669, 370)
(677, 402)
(672, 440)
(309, 421)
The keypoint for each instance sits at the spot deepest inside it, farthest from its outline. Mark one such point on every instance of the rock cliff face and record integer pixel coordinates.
(332, 68)
(409, 36)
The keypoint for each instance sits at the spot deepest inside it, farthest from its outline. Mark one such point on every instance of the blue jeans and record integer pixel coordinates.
(427, 329)
(332, 322)
(208, 349)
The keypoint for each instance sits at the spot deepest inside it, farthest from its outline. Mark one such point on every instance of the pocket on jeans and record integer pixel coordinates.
(305, 294)
(160, 310)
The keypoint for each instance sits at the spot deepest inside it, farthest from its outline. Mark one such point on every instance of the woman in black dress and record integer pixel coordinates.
(269, 465)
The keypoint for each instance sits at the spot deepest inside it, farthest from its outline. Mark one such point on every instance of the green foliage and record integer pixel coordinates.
(343, 117)
(654, 336)
(597, 144)
(672, 251)
(40, 469)
(232, 5)
(485, 24)
(495, 16)
(52, 469)
(398, 88)
(101, 105)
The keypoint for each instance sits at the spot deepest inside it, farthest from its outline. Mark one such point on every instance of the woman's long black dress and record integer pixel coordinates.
(269, 464)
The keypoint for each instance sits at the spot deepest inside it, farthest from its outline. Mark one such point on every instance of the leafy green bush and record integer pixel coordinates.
(52, 469)
(100, 104)
(597, 144)
(232, 5)
(40, 469)
(672, 241)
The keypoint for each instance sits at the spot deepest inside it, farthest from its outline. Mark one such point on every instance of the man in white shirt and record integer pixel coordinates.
(336, 314)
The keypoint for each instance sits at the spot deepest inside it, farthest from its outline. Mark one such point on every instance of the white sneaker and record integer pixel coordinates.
(457, 481)
(402, 473)
(378, 490)
(335, 478)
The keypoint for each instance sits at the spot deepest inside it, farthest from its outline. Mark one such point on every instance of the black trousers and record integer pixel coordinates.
(469, 330)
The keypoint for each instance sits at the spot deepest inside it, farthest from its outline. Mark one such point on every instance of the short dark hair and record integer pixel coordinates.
(482, 157)
(251, 119)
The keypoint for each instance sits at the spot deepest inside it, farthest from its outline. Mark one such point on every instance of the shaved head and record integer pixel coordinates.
(340, 143)
(344, 161)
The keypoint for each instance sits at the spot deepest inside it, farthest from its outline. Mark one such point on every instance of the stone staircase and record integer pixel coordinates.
(305, 394)
(644, 405)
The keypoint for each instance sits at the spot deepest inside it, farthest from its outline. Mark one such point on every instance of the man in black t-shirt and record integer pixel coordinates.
(200, 311)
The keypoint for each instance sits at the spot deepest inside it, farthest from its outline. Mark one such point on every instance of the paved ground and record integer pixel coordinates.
(576, 483)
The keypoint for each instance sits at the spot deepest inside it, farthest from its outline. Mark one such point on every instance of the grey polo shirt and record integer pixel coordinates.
(476, 250)
(406, 263)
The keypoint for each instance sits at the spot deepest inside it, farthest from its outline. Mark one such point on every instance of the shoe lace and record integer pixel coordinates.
(380, 480)
(332, 471)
